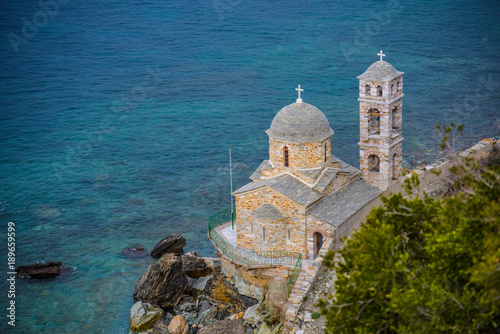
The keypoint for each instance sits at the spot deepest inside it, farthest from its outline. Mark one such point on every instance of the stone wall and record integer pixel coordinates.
(302, 155)
(250, 282)
(249, 201)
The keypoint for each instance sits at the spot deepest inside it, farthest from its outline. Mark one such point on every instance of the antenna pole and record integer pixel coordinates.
(231, 180)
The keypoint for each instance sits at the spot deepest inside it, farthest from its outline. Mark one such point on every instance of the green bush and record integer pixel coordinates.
(315, 315)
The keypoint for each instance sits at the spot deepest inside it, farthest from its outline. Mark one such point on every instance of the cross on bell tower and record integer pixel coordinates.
(380, 118)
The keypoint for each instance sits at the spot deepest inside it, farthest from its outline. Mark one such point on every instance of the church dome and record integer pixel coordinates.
(298, 123)
(380, 71)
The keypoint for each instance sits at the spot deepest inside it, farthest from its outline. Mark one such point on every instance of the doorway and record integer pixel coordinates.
(318, 243)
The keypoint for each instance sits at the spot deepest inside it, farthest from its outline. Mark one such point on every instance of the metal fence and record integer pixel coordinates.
(248, 257)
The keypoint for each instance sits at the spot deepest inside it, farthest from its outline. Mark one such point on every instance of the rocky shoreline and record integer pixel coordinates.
(189, 294)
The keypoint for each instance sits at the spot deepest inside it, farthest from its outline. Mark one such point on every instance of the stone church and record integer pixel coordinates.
(303, 194)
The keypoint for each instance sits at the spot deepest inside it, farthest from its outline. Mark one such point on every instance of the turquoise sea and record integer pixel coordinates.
(116, 117)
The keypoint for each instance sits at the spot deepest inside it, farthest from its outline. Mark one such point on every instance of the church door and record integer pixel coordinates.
(318, 243)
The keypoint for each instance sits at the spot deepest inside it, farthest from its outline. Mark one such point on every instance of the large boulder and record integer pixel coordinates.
(226, 326)
(195, 266)
(274, 303)
(163, 283)
(135, 251)
(172, 244)
(144, 316)
(178, 325)
(40, 270)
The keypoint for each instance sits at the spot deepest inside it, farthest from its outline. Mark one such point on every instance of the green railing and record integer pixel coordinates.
(295, 273)
(248, 257)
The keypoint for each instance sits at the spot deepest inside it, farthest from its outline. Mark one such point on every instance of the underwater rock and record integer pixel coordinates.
(40, 270)
(163, 283)
(172, 244)
(135, 251)
(45, 211)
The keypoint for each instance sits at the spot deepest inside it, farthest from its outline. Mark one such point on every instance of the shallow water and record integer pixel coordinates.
(116, 118)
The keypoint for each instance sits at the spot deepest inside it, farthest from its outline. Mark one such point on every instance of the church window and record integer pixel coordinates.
(380, 91)
(287, 234)
(286, 156)
(398, 85)
(373, 163)
(326, 147)
(264, 234)
(367, 90)
(251, 227)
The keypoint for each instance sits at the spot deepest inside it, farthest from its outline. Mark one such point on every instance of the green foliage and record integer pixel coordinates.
(420, 265)
(492, 161)
(315, 315)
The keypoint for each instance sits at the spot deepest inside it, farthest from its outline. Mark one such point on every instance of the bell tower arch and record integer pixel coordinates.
(380, 119)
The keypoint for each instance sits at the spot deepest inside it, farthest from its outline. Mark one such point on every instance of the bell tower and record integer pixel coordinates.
(380, 119)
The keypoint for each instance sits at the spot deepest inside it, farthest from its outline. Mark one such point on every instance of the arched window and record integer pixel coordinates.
(398, 87)
(380, 91)
(264, 234)
(374, 120)
(326, 146)
(368, 90)
(395, 119)
(285, 154)
(373, 163)
(392, 89)
(288, 236)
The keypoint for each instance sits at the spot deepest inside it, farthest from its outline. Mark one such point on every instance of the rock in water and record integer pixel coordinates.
(195, 266)
(224, 326)
(40, 270)
(178, 325)
(135, 251)
(163, 283)
(144, 316)
(171, 244)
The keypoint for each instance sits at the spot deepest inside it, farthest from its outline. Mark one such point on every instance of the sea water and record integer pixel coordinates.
(117, 116)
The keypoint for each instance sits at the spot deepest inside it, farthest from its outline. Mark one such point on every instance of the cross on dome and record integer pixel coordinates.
(381, 54)
(299, 100)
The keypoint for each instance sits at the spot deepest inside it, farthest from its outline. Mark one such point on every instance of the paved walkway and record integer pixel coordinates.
(227, 232)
